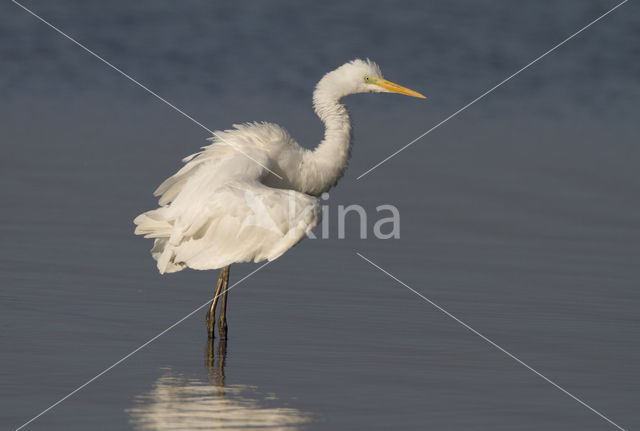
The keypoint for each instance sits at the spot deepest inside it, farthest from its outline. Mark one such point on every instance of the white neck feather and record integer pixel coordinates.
(323, 167)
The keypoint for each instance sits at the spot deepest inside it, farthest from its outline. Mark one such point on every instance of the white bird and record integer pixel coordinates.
(251, 194)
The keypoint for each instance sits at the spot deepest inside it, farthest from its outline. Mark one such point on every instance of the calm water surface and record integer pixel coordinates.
(519, 216)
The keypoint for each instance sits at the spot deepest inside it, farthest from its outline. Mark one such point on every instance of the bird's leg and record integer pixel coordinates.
(211, 314)
(222, 318)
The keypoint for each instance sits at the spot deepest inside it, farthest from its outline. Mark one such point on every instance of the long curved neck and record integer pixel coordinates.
(323, 167)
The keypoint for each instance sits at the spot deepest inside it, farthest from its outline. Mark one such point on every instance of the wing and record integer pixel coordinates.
(216, 211)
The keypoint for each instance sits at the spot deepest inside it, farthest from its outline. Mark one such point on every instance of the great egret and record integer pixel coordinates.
(251, 194)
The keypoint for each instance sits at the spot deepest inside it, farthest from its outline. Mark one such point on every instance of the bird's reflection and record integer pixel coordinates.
(180, 403)
(216, 354)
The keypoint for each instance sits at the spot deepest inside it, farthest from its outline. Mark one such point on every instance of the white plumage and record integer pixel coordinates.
(251, 194)
(217, 210)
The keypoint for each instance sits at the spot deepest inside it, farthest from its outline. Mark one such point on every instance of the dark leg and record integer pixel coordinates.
(211, 314)
(222, 318)
(215, 358)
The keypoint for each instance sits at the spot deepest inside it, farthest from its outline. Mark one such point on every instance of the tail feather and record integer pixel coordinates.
(153, 224)
(164, 257)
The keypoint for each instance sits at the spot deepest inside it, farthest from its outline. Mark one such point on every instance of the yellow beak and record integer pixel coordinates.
(395, 88)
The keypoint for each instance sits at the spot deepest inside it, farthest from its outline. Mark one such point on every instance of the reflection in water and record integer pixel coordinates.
(180, 403)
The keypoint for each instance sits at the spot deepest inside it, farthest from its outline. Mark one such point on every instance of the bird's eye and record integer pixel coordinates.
(366, 78)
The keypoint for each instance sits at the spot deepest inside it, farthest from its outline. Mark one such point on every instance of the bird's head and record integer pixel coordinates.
(363, 76)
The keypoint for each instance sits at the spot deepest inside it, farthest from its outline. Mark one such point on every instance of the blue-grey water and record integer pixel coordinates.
(520, 216)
